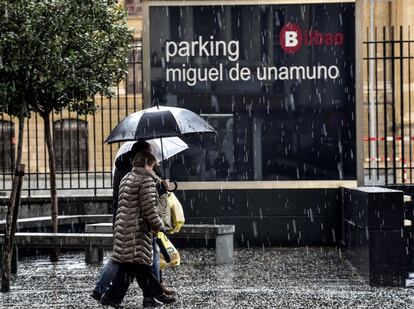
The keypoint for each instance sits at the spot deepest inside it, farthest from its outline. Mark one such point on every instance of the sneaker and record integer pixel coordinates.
(165, 299)
(96, 295)
(107, 302)
(151, 302)
(167, 290)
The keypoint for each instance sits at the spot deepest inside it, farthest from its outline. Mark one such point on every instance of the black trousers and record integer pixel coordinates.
(127, 271)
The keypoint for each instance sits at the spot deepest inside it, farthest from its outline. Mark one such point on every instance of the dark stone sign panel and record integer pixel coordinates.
(276, 81)
(269, 217)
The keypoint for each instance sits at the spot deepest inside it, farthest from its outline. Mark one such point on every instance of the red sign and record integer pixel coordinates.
(292, 38)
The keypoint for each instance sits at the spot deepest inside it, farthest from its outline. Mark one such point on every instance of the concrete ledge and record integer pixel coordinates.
(222, 234)
(62, 240)
(42, 222)
(92, 243)
(210, 230)
(265, 185)
(4, 200)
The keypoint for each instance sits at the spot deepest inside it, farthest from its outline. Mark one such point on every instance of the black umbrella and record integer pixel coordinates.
(158, 121)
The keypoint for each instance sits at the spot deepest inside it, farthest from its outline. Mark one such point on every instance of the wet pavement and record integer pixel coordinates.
(268, 278)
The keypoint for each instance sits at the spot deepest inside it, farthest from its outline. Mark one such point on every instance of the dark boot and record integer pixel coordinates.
(107, 302)
(96, 295)
(165, 299)
(151, 302)
(167, 290)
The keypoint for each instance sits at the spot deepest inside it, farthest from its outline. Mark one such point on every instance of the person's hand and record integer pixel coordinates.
(166, 184)
(154, 233)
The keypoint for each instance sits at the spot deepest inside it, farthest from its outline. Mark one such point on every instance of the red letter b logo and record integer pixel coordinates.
(291, 38)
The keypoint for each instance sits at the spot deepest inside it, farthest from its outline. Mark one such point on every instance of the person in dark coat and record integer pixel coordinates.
(137, 221)
(123, 165)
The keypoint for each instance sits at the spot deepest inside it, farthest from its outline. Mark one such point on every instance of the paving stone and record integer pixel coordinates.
(259, 278)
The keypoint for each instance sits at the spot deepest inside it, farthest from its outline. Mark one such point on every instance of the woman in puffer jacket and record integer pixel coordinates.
(136, 221)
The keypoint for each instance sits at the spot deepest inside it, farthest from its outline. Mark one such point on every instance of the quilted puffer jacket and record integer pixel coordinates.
(136, 217)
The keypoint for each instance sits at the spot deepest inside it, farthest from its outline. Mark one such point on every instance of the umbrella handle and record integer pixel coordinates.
(163, 250)
(175, 187)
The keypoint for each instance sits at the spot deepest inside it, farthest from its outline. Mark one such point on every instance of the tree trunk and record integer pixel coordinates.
(54, 253)
(12, 213)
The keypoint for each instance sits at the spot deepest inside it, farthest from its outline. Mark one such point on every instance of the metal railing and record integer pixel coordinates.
(388, 135)
(388, 138)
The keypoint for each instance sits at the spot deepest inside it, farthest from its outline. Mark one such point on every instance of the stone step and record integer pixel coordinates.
(409, 283)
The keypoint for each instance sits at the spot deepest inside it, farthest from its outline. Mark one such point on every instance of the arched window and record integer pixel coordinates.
(70, 142)
(6, 145)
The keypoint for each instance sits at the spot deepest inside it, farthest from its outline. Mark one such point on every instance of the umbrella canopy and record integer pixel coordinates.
(158, 121)
(170, 147)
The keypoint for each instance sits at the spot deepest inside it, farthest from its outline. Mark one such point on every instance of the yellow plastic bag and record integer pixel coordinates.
(177, 213)
(175, 255)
